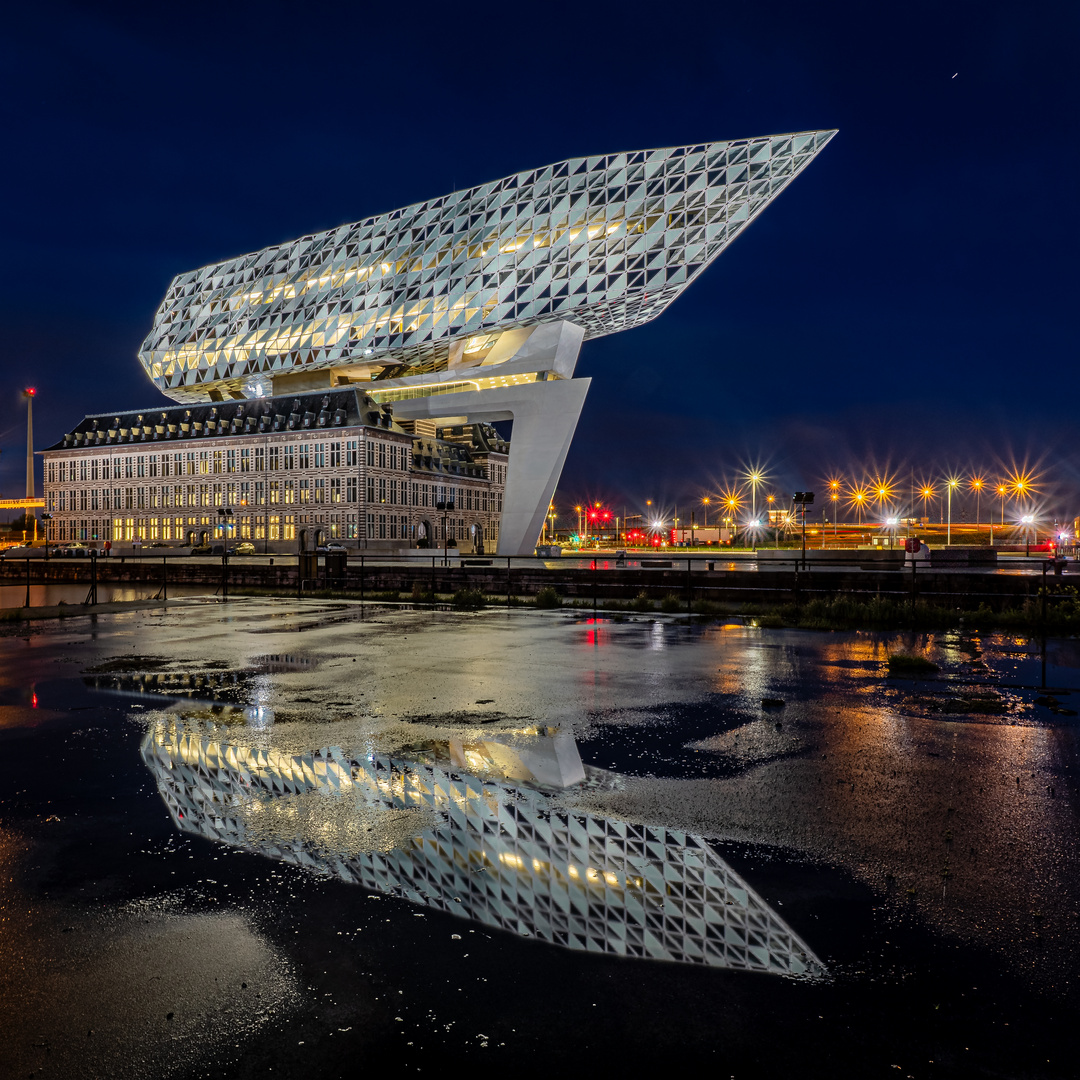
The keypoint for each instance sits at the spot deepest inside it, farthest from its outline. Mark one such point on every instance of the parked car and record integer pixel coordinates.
(326, 549)
(245, 548)
(201, 549)
(73, 551)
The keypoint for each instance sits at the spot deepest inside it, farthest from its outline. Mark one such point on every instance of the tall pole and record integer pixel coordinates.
(29, 393)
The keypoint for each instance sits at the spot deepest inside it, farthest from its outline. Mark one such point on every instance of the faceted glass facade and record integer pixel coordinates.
(604, 242)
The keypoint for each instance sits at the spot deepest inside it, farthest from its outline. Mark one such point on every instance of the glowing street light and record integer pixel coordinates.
(705, 503)
(976, 485)
(1002, 491)
(952, 482)
(857, 498)
(754, 477)
(926, 493)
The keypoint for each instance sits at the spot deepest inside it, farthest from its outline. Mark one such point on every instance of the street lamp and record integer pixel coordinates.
(754, 477)
(446, 508)
(952, 482)
(1002, 491)
(976, 485)
(578, 509)
(46, 518)
(803, 499)
(705, 503)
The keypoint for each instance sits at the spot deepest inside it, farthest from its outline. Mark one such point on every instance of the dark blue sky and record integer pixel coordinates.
(909, 302)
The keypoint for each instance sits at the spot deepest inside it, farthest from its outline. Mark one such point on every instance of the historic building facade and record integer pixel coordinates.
(280, 472)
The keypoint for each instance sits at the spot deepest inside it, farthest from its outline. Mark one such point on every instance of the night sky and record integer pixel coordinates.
(908, 304)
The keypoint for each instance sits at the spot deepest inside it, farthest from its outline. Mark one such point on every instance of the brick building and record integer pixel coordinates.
(293, 471)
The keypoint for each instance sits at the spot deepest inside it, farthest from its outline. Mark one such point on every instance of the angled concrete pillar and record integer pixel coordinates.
(545, 416)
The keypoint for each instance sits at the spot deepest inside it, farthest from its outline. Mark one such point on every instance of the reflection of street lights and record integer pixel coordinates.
(952, 482)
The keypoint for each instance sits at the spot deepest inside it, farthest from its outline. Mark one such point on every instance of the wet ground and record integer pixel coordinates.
(270, 836)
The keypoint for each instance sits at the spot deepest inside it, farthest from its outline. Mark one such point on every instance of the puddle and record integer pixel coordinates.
(412, 832)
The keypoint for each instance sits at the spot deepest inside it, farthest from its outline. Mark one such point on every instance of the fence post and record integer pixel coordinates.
(27, 604)
(689, 589)
(164, 578)
(361, 579)
(507, 580)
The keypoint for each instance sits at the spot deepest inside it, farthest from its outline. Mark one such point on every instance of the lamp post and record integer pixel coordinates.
(771, 500)
(578, 509)
(754, 477)
(705, 512)
(803, 499)
(46, 518)
(1002, 491)
(446, 508)
(976, 485)
(952, 482)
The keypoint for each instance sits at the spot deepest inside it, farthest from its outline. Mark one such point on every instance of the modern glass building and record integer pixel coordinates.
(471, 308)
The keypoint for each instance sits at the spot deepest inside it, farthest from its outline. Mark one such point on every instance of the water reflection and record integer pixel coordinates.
(473, 827)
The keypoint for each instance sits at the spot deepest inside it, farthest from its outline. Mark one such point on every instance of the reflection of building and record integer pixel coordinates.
(506, 856)
(329, 465)
(468, 308)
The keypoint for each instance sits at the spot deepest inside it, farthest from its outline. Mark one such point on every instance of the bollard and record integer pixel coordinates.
(361, 579)
(27, 604)
(689, 590)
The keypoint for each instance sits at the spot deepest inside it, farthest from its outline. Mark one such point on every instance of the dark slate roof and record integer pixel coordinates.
(314, 410)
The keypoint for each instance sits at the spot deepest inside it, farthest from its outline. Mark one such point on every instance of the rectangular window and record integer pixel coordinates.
(273, 492)
(230, 460)
(415, 493)
(320, 489)
(370, 533)
(382, 489)
(370, 453)
(305, 455)
(289, 492)
(382, 456)
(245, 461)
(350, 453)
(129, 467)
(153, 465)
(260, 493)
(382, 526)
(350, 489)
(84, 467)
(305, 491)
(260, 459)
(335, 455)
(335, 490)
(320, 455)
(371, 489)
(204, 462)
(289, 451)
